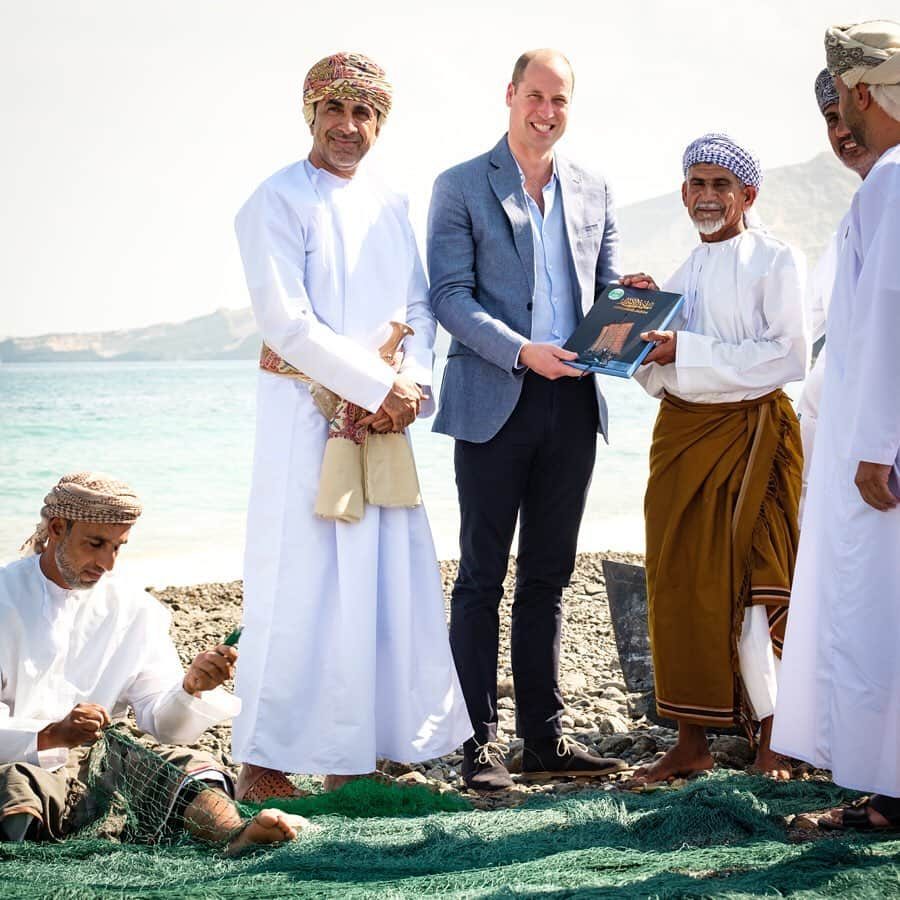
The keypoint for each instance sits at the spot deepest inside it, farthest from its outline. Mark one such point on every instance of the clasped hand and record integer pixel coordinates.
(399, 408)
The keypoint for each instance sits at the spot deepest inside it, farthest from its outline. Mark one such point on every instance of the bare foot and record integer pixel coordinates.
(768, 762)
(335, 782)
(268, 826)
(771, 764)
(679, 762)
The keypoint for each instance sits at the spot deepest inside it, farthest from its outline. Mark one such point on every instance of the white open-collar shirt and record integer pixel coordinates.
(108, 645)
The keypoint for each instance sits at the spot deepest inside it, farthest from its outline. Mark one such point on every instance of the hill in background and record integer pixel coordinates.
(224, 334)
(801, 204)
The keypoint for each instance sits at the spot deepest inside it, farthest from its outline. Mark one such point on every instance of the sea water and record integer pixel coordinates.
(182, 435)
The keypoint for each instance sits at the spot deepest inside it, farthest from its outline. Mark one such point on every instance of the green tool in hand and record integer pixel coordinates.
(234, 637)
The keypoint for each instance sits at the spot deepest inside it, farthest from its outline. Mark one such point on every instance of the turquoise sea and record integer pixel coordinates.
(182, 435)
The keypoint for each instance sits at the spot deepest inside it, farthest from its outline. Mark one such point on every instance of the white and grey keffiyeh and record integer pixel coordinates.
(85, 497)
(720, 149)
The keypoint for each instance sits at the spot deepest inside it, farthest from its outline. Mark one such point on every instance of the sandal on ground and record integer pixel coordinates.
(856, 815)
(269, 785)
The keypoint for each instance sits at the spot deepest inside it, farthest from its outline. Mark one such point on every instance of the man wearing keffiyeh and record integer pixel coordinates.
(78, 647)
(345, 656)
(721, 501)
(839, 703)
(859, 159)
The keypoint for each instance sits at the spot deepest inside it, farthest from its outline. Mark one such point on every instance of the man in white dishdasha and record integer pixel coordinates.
(78, 647)
(858, 159)
(839, 700)
(345, 656)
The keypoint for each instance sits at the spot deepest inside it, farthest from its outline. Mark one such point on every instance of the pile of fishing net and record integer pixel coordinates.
(721, 835)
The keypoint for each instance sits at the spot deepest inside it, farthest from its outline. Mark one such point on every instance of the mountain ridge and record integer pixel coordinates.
(800, 203)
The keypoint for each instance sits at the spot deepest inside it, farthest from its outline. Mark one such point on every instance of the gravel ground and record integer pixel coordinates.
(597, 712)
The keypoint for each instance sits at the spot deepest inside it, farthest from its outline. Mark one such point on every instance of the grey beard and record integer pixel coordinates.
(67, 570)
(707, 227)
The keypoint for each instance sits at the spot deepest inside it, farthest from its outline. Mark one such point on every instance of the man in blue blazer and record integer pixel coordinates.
(520, 243)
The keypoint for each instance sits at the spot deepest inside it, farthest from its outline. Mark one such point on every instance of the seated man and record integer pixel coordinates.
(77, 647)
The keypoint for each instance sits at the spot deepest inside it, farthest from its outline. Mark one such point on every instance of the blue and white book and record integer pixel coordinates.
(608, 340)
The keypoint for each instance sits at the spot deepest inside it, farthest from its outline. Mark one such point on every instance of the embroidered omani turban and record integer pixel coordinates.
(868, 52)
(826, 92)
(347, 76)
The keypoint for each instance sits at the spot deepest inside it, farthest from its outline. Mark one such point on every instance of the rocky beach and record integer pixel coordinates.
(598, 712)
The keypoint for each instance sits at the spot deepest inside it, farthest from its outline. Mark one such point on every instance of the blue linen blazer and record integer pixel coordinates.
(481, 268)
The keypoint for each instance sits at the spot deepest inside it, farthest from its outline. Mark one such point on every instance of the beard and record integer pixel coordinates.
(67, 569)
(857, 129)
(855, 124)
(707, 226)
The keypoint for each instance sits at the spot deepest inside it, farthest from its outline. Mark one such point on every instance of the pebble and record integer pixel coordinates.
(804, 823)
(615, 745)
(607, 718)
(732, 749)
(506, 687)
(644, 747)
(613, 725)
(613, 693)
(412, 778)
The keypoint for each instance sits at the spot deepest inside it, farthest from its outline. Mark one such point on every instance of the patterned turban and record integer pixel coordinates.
(85, 497)
(826, 92)
(347, 76)
(868, 52)
(721, 150)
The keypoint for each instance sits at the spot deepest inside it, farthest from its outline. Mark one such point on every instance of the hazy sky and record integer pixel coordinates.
(132, 132)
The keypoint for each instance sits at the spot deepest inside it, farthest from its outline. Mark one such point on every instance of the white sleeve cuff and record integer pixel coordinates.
(53, 758)
(215, 705)
(32, 754)
(517, 365)
(181, 719)
(19, 739)
(880, 454)
(693, 350)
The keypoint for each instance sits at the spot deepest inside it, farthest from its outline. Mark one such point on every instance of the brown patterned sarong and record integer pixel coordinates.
(722, 532)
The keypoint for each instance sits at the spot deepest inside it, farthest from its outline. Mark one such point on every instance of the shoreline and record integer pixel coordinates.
(223, 566)
(584, 559)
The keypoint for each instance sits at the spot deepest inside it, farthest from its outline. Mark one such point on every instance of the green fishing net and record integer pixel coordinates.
(720, 836)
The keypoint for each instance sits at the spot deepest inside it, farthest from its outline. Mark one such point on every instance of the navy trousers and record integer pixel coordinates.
(536, 469)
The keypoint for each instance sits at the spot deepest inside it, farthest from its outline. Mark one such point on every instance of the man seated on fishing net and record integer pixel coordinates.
(77, 648)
